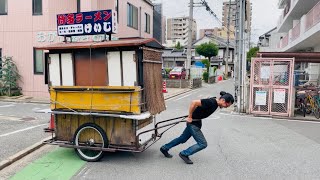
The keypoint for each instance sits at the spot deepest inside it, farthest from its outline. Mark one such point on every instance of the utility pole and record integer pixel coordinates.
(228, 41)
(188, 65)
(237, 59)
(241, 57)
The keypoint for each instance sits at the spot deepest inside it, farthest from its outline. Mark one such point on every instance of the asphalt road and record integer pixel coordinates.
(239, 147)
(20, 127)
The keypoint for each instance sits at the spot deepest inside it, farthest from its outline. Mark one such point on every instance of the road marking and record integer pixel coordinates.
(59, 164)
(5, 106)
(186, 95)
(21, 130)
(10, 118)
(182, 97)
(269, 118)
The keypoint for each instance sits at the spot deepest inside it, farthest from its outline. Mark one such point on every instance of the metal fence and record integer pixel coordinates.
(196, 72)
(271, 86)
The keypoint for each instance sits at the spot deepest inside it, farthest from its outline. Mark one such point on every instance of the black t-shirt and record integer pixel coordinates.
(208, 106)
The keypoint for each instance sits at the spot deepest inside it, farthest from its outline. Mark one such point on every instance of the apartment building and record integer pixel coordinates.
(298, 30)
(218, 32)
(177, 31)
(159, 23)
(25, 25)
(233, 11)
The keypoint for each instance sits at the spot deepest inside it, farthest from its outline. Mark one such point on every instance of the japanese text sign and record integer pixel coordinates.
(87, 23)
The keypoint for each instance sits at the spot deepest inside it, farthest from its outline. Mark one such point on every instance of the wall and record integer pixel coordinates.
(177, 83)
(20, 31)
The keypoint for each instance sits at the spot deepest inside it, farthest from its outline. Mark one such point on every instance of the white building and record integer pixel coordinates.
(298, 30)
(177, 30)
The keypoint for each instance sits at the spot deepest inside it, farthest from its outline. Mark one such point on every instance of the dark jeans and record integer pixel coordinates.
(190, 130)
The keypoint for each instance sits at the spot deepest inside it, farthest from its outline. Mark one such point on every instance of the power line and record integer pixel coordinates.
(204, 3)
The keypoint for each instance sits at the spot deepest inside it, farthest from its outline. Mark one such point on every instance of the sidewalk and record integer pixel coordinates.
(172, 92)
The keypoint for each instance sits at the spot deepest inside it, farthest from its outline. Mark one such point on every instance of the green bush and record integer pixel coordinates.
(167, 70)
(9, 77)
(205, 76)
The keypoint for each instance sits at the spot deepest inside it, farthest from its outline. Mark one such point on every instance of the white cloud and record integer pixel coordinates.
(265, 14)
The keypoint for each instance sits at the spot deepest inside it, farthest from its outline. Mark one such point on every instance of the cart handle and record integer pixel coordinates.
(171, 119)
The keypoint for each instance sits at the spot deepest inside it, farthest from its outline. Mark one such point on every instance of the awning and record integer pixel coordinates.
(310, 57)
(151, 42)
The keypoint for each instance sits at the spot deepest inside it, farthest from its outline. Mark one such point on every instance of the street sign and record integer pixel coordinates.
(87, 23)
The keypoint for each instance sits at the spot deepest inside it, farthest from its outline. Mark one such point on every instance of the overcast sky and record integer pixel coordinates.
(265, 14)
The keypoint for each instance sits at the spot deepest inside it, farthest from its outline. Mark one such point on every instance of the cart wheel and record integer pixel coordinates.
(90, 135)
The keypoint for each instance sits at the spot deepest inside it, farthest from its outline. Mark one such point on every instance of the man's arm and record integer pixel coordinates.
(194, 104)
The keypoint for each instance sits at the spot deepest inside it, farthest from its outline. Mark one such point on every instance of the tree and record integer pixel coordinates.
(178, 46)
(252, 53)
(206, 62)
(207, 50)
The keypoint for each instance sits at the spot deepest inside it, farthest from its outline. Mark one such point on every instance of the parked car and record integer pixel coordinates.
(178, 73)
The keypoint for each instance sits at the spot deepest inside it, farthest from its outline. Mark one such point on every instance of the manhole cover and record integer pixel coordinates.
(28, 119)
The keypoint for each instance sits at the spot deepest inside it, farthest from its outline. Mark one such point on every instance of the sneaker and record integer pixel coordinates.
(165, 153)
(185, 159)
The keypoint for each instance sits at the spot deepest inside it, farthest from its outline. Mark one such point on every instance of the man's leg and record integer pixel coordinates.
(199, 138)
(180, 140)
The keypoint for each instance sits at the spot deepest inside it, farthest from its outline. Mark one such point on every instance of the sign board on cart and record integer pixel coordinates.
(87, 23)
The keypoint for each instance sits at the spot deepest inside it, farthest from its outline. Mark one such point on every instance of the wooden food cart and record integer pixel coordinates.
(105, 95)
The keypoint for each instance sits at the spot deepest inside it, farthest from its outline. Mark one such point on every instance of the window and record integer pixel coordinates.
(78, 6)
(37, 7)
(3, 7)
(38, 61)
(147, 29)
(132, 16)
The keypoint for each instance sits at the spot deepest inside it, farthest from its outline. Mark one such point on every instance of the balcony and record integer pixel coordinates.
(305, 33)
(293, 10)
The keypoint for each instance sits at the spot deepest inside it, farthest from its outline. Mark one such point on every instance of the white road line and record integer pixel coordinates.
(185, 95)
(21, 130)
(269, 118)
(9, 105)
(182, 97)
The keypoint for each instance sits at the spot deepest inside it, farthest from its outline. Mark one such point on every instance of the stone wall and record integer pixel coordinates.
(177, 83)
(196, 83)
(183, 83)
(211, 79)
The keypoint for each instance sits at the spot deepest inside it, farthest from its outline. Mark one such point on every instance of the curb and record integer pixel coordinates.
(177, 94)
(21, 154)
(24, 101)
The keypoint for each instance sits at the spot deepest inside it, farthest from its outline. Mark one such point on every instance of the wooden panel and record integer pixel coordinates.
(119, 131)
(67, 69)
(54, 70)
(115, 99)
(114, 69)
(90, 72)
(129, 68)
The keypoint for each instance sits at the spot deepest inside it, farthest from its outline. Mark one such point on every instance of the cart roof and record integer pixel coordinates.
(149, 42)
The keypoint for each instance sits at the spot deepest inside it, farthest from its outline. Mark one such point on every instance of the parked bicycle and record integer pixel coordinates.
(312, 103)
